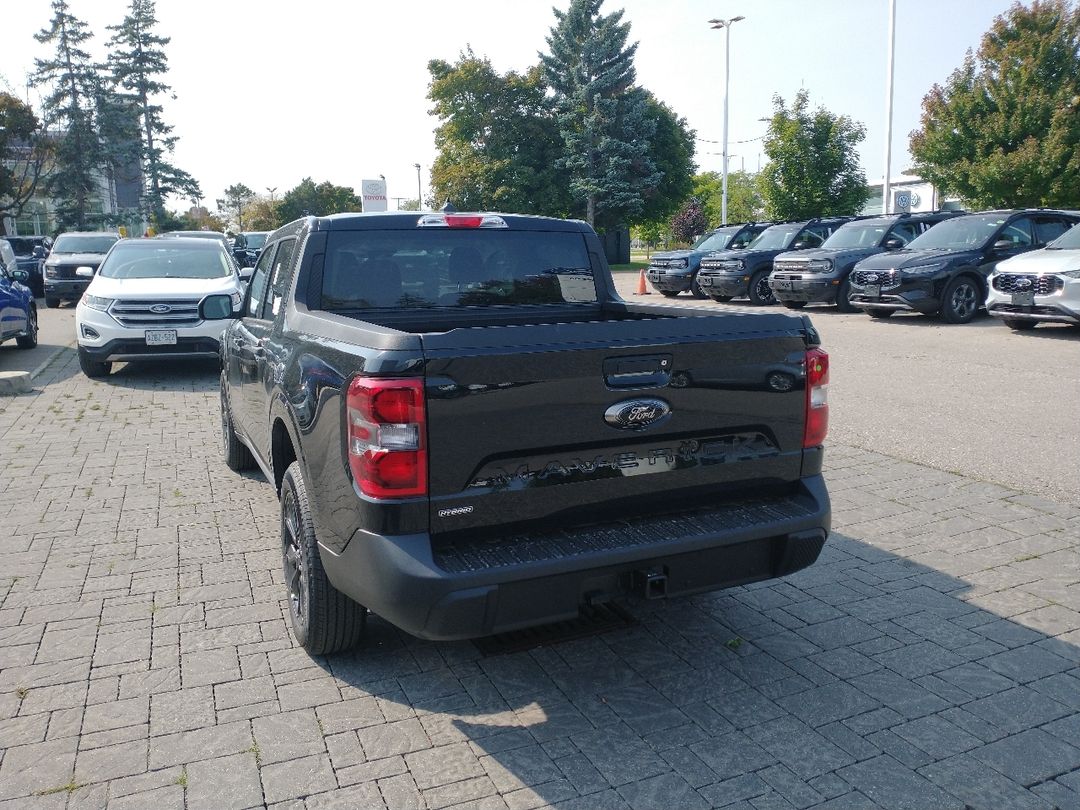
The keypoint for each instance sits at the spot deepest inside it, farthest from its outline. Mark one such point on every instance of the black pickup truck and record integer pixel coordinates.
(470, 431)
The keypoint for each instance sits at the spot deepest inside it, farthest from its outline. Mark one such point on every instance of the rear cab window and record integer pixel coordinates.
(426, 268)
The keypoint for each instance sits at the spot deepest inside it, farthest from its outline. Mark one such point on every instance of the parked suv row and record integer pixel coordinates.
(676, 271)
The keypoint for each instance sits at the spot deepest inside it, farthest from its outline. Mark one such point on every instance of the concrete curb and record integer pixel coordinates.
(48, 360)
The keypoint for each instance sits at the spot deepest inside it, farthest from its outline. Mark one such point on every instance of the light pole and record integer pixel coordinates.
(271, 191)
(419, 204)
(888, 108)
(726, 25)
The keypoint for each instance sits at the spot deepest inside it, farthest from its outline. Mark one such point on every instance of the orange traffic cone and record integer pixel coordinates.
(641, 288)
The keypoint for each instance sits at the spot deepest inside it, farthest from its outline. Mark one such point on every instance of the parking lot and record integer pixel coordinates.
(930, 659)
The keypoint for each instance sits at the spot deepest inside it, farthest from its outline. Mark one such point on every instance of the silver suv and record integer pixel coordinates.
(1042, 286)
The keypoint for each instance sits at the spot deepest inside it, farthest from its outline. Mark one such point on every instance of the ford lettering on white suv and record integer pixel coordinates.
(1039, 287)
(144, 302)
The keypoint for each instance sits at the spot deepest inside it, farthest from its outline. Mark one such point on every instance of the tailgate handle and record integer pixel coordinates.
(652, 371)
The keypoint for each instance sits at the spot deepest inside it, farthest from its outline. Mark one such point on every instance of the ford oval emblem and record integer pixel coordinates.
(637, 414)
(160, 309)
(1023, 283)
(871, 278)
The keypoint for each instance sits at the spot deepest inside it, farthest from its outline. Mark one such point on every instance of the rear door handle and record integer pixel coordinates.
(638, 371)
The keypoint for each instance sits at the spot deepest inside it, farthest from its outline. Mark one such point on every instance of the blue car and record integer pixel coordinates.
(18, 312)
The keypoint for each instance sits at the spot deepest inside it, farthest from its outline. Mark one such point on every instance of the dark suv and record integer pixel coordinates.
(74, 259)
(675, 271)
(737, 274)
(945, 270)
(820, 275)
(30, 253)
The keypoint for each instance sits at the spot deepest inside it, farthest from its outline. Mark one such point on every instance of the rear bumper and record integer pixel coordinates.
(483, 587)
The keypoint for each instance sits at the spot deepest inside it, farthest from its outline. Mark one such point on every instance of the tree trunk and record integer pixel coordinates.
(590, 210)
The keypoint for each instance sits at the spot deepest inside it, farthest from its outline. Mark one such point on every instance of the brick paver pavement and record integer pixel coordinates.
(931, 658)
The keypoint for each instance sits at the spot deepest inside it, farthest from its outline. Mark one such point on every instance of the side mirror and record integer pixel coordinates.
(20, 275)
(1002, 245)
(893, 244)
(799, 246)
(246, 273)
(217, 308)
(84, 272)
(38, 252)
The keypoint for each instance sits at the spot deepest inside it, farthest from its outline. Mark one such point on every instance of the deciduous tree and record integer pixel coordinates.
(745, 203)
(232, 205)
(690, 221)
(813, 167)
(317, 200)
(24, 156)
(671, 150)
(1004, 130)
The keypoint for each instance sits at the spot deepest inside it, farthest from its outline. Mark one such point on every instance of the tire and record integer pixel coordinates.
(323, 619)
(842, 293)
(794, 304)
(1020, 324)
(237, 456)
(722, 299)
(668, 293)
(960, 303)
(93, 368)
(52, 302)
(695, 289)
(29, 340)
(880, 314)
(759, 291)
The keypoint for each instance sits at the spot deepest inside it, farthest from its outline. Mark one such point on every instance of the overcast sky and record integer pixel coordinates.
(267, 95)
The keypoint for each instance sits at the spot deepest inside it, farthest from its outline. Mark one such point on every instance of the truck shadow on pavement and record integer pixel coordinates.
(868, 680)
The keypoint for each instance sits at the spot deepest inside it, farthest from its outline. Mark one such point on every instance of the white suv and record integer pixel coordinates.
(1038, 287)
(143, 302)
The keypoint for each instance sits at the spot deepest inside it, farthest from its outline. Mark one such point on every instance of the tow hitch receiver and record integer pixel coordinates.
(652, 583)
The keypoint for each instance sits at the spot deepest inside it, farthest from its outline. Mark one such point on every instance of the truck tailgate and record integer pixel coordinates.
(541, 424)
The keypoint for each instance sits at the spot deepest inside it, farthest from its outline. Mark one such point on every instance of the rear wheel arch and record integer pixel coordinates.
(282, 450)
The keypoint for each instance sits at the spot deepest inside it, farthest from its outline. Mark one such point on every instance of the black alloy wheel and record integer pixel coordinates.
(843, 304)
(760, 293)
(237, 456)
(961, 300)
(695, 289)
(29, 340)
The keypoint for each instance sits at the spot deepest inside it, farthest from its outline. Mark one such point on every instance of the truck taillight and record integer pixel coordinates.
(817, 397)
(387, 426)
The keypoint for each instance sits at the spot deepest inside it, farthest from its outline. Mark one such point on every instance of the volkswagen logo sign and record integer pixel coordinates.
(1022, 283)
(914, 199)
(160, 309)
(637, 414)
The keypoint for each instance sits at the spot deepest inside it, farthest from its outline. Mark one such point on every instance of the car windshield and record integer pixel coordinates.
(72, 243)
(960, 233)
(717, 240)
(1070, 240)
(778, 236)
(144, 258)
(864, 234)
(454, 268)
(20, 246)
(255, 241)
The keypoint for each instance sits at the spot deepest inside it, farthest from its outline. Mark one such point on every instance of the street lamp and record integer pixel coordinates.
(271, 191)
(419, 205)
(726, 25)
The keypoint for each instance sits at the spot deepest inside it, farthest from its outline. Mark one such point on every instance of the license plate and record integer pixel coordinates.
(781, 284)
(160, 337)
(873, 290)
(653, 276)
(704, 281)
(1023, 299)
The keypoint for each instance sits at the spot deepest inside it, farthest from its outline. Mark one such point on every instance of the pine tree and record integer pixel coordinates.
(137, 62)
(69, 109)
(603, 115)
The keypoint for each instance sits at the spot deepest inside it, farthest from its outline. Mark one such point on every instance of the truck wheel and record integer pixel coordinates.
(1020, 324)
(880, 314)
(695, 289)
(91, 367)
(760, 293)
(668, 293)
(842, 293)
(29, 340)
(52, 302)
(237, 456)
(324, 620)
(961, 300)
(794, 304)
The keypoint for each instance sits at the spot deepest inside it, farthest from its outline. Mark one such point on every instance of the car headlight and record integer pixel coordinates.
(97, 302)
(820, 265)
(732, 266)
(678, 264)
(922, 269)
(50, 270)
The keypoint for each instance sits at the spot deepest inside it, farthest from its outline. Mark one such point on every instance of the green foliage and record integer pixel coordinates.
(498, 141)
(689, 222)
(232, 205)
(745, 203)
(262, 214)
(603, 117)
(24, 153)
(671, 150)
(813, 167)
(653, 233)
(137, 63)
(1004, 131)
(72, 81)
(317, 200)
